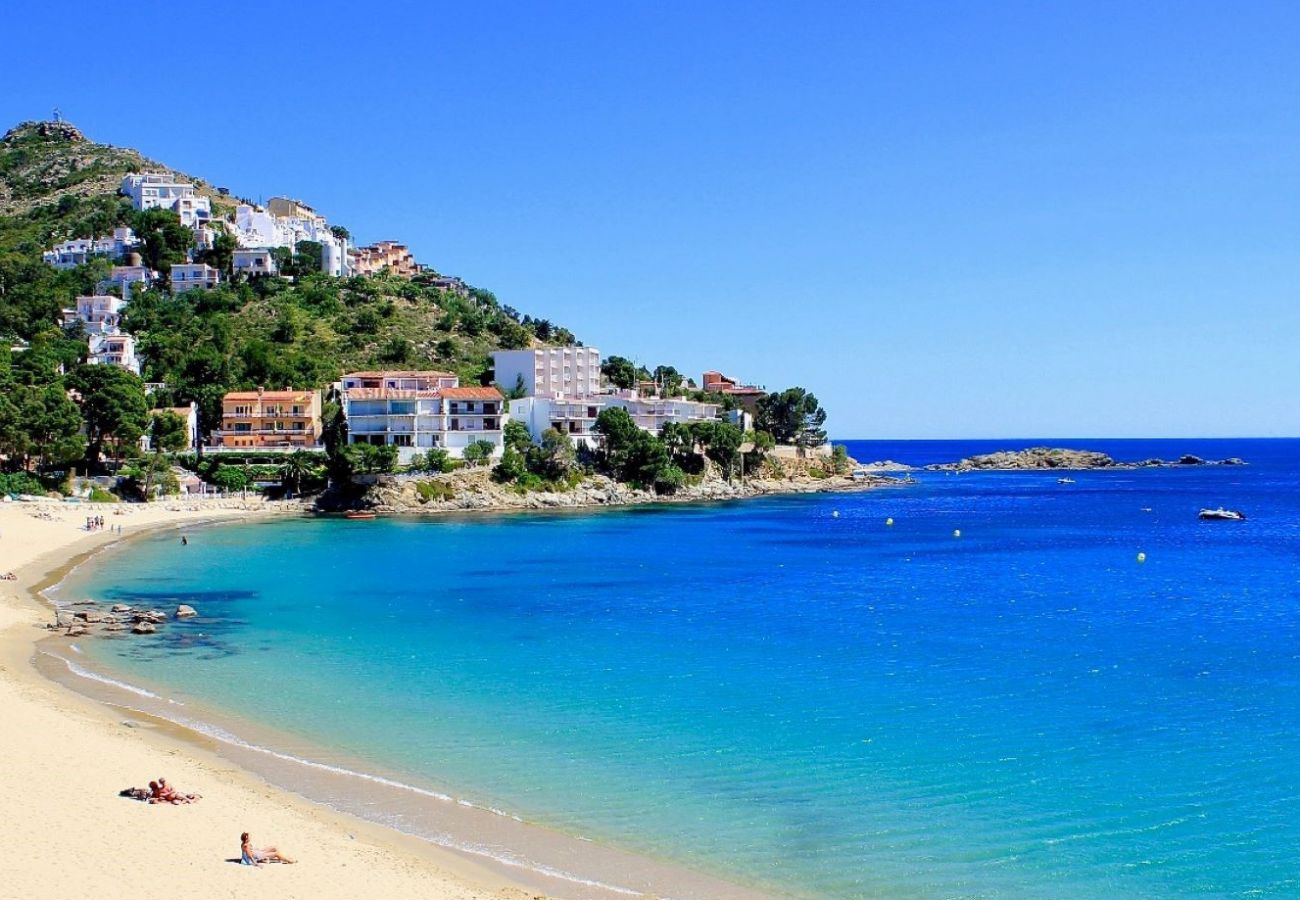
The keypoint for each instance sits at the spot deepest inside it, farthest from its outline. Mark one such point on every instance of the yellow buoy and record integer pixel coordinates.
(889, 521)
(1142, 557)
(956, 532)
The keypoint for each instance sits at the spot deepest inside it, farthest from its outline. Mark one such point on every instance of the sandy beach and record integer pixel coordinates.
(65, 758)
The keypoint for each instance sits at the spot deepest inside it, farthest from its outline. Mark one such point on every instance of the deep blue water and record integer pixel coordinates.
(809, 699)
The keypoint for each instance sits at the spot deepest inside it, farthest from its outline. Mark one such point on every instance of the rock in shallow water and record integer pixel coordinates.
(186, 612)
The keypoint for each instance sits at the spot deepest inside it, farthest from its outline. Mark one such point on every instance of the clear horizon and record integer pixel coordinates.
(944, 222)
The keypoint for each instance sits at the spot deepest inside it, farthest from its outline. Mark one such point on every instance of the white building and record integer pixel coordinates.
(576, 416)
(98, 313)
(154, 190)
(550, 371)
(113, 350)
(419, 411)
(652, 413)
(286, 222)
(128, 279)
(188, 276)
(71, 254)
(254, 262)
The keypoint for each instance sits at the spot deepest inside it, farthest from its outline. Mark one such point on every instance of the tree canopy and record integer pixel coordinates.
(792, 416)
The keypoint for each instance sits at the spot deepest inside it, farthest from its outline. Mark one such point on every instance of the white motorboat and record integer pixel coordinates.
(1221, 514)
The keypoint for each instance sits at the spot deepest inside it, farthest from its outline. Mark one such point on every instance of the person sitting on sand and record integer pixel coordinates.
(251, 856)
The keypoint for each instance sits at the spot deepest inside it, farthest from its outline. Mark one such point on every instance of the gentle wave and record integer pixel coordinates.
(221, 734)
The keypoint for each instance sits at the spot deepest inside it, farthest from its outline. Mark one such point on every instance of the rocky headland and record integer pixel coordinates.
(1063, 459)
(475, 490)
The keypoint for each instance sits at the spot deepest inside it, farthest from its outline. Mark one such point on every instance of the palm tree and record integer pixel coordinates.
(296, 468)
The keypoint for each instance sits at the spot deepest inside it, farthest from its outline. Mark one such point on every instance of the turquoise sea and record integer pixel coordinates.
(787, 691)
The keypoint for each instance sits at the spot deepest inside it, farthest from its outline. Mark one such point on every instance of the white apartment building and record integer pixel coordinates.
(652, 413)
(550, 371)
(113, 350)
(254, 262)
(420, 411)
(155, 190)
(188, 276)
(98, 313)
(70, 254)
(576, 416)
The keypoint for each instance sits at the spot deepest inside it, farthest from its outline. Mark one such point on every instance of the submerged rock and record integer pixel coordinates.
(144, 628)
(120, 608)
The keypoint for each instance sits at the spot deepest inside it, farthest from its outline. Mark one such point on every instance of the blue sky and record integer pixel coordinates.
(945, 219)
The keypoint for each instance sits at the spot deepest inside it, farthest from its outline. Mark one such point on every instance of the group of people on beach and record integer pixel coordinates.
(94, 523)
(161, 792)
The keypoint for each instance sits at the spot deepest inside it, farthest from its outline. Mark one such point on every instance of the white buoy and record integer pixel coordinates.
(835, 513)
(889, 521)
(956, 532)
(1142, 557)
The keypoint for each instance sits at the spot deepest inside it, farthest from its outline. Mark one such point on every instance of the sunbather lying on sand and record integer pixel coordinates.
(251, 856)
(161, 792)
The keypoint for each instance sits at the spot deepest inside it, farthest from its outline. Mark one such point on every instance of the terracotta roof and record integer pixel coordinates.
(390, 394)
(404, 373)
(269, 395)
(182, 411)
(472, 393)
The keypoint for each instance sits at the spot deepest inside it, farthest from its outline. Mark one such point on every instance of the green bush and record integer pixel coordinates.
(434, 490)
(21, 483)
(817, 472)
(99, 495)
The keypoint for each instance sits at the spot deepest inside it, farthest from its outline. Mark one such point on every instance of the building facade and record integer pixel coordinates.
(97, 314)
(113, 349)
(188, 276)
(158, 190)
(254, 262)
(73, 253)
(556, 372)
(395, 257)
(270, 420)
(420, 411)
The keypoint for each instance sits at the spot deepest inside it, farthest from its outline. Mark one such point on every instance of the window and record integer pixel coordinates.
(489, 424)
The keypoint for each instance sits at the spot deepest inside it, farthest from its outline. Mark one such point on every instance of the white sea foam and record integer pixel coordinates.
(94, 676)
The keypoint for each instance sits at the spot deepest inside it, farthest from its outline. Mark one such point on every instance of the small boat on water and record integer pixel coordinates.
(1227, 515)
(359, 515)
(1066, 480)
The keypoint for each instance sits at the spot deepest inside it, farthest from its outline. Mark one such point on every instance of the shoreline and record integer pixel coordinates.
(66, 757)
(442, 865)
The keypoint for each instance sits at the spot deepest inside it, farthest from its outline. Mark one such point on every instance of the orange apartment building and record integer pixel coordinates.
(269, 420)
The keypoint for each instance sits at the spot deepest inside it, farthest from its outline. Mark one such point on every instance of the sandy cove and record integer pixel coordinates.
(65, 758)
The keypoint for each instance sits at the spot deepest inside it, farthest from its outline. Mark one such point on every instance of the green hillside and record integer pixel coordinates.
(55, 185)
